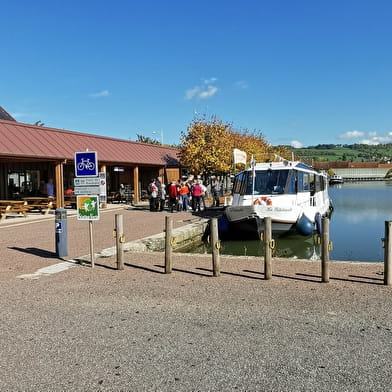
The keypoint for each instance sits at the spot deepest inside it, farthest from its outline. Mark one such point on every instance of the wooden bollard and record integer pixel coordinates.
(120, 239)
(215, 245)
(269, 244)
(169, 240)
(388, 253)
(325, 247)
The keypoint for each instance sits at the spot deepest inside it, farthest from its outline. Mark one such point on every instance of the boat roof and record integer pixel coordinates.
(285, 164)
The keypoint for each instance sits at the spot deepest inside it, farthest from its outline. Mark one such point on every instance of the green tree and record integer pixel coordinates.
(146, 139)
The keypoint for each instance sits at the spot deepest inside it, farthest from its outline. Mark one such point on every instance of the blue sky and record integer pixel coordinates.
(302, 72)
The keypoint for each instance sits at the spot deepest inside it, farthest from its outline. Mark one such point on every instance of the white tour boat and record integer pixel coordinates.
(293, 194)
(335, 179)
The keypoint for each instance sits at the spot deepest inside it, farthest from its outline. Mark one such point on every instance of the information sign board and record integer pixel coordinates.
(86, 190)
(102, 187)
(88, 207)
(86, 164)
(86, 181)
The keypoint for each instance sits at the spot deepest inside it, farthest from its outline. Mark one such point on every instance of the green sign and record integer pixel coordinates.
(88, 207)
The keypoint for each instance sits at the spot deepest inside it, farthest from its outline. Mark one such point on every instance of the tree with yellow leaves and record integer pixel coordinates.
(205, 148)
(208, 147)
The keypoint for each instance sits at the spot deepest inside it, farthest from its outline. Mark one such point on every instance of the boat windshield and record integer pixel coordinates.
(266, 182)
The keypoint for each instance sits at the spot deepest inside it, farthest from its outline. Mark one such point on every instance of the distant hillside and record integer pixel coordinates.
(381, 153)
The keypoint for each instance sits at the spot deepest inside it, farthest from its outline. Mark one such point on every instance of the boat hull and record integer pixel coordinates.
(252, 228)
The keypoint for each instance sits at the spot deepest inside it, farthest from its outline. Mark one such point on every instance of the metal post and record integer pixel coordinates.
(268, 248)
(215, 244)
(168, 244)
(388, 254)
(90, 230)
(119, 241)
(325, 245)
(61, 232)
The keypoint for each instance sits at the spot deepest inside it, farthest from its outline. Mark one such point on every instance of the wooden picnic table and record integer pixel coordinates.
(12, 206)
(39, 203)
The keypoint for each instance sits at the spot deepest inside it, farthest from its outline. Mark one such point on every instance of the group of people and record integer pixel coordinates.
(181, 195)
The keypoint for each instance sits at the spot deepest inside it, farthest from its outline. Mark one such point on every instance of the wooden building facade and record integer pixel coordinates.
(30, 155)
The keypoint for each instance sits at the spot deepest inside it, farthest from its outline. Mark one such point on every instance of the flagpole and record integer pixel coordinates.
(252, 164)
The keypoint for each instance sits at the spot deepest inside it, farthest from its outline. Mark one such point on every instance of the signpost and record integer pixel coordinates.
(87, 190)
(102, 187)
(86, 164)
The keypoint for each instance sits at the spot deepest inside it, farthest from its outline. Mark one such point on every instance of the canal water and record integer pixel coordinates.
(357, 226)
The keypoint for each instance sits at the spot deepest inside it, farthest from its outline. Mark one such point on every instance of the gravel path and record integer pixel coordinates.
(98, 329)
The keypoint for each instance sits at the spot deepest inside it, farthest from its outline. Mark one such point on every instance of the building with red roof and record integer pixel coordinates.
(31, 154)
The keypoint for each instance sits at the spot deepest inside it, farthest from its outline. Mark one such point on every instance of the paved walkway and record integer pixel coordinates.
(29, 243)
(139, 329)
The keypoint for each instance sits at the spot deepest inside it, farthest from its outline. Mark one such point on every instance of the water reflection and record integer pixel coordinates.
(358, 224)
(293, 246)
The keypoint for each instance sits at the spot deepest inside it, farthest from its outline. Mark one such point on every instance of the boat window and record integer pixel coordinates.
(319, 183)
(292, 183)
(239, 183)
(312, 183)
(305, 182)
(267, 182)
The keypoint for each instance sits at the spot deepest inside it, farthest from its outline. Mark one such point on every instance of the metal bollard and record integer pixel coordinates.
(61, 232)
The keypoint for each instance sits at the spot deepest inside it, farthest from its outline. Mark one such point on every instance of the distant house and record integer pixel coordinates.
(30, 155)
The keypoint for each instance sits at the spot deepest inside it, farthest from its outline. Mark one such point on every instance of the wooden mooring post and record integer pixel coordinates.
(215, 245)
(120, 239)
(169, 242)
(388, 253)
(325, 248)
(269, 245)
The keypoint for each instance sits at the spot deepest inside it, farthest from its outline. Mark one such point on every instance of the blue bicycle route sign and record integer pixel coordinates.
(86, 164)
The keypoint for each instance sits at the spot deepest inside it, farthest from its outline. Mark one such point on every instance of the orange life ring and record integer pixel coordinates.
(263, 200)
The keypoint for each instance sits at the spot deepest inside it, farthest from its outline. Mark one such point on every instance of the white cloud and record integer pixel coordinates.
(241, 84)
(211, 91)
(371, 138)
(103, 93)
(210, 80)
(369, 142)
(374, 139)
(352, 135)
(296, 144)
(193, 92)
(204, 91)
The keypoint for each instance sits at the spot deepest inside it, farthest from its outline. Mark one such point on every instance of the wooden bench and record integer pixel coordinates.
(43, 207)
(41, 204)
(12, 208)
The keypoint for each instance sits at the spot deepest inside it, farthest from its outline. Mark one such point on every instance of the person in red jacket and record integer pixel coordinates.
(172, 193)
(197, 191)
